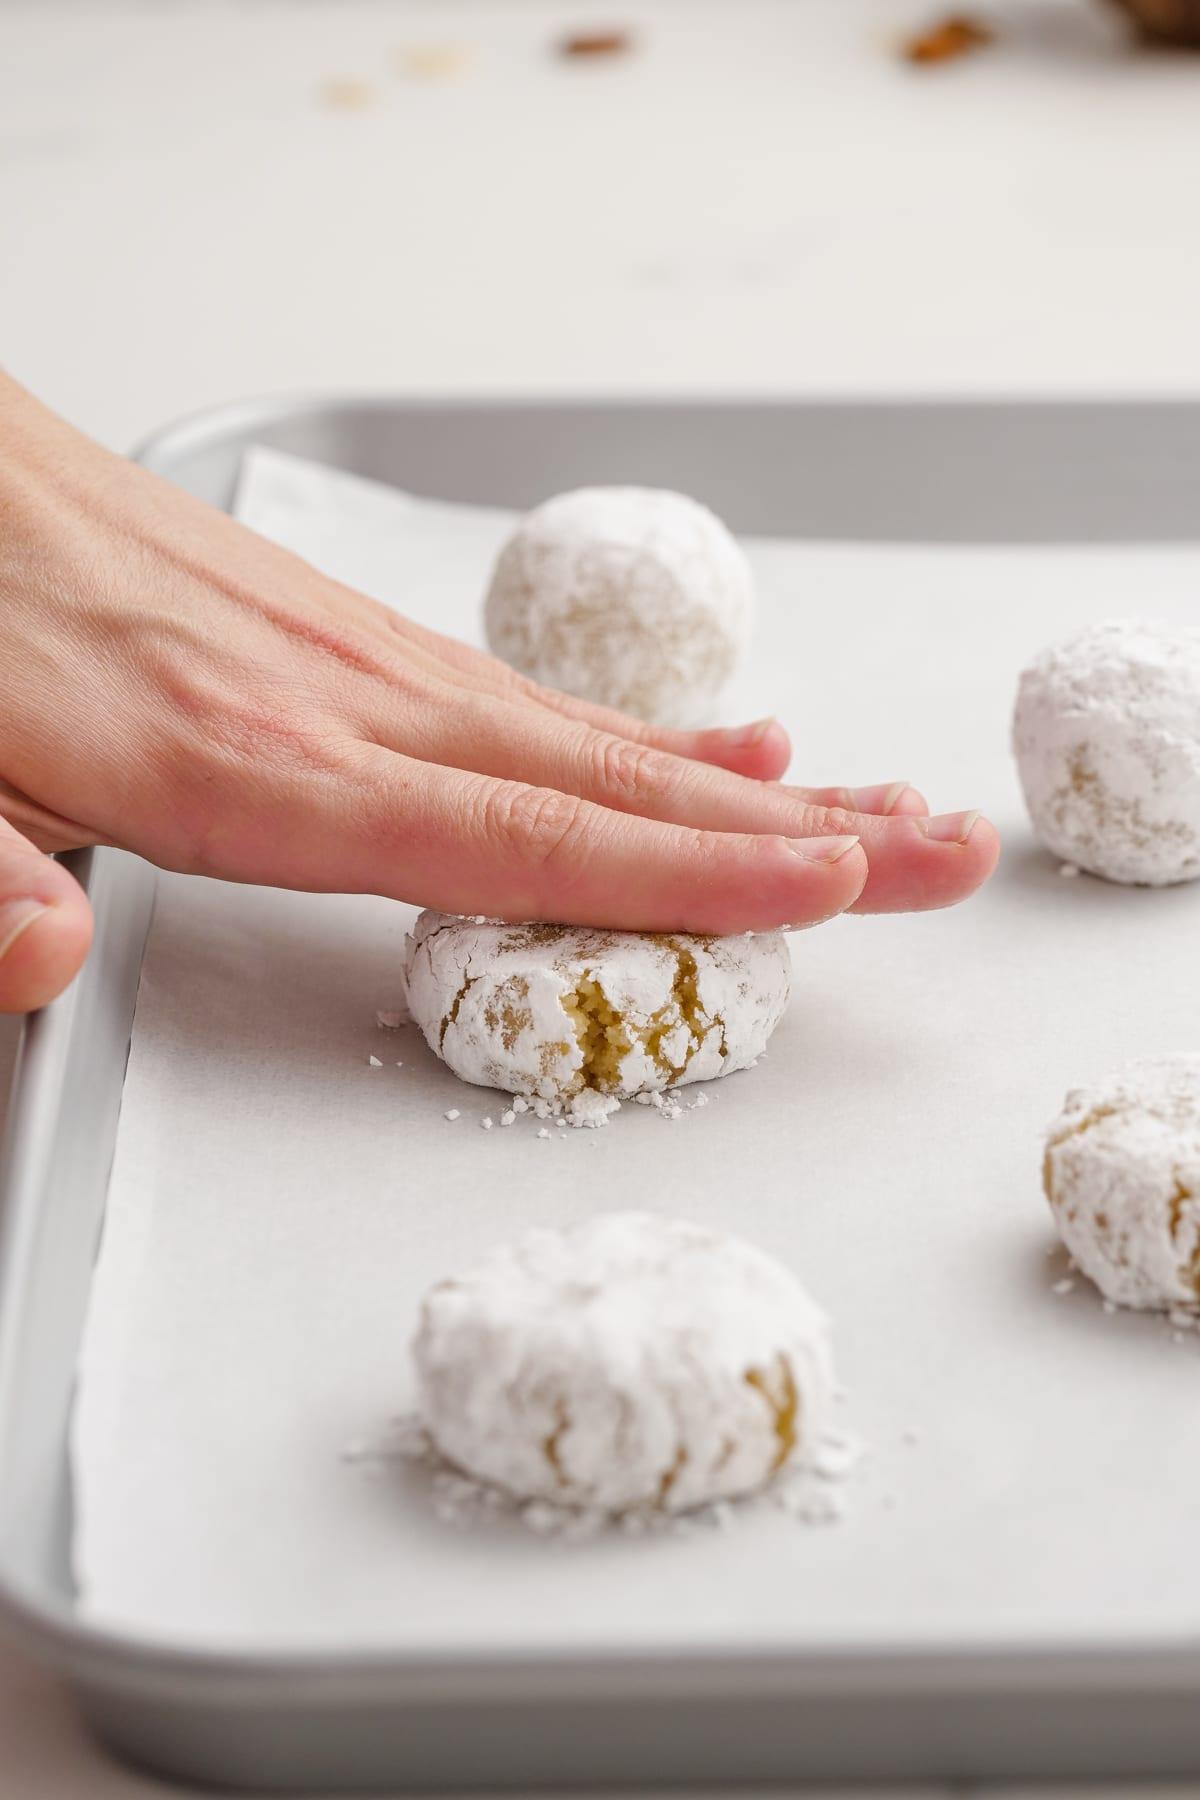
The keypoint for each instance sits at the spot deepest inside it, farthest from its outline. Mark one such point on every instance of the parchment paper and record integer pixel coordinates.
(277, 1205)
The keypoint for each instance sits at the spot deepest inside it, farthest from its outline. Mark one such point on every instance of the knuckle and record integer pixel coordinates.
(634, 774)
(831, 821)
(539, 823)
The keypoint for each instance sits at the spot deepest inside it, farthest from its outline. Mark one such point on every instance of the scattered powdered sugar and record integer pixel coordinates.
(486, 1124)
(812, 1493)
(508, 1117)
(1065, 1286)
(452, 1112)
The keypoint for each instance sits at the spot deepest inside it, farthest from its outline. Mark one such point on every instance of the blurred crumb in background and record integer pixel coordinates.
(1165, 21)
(612, 42)
(431, 62)
(956, 35)
(343, 94)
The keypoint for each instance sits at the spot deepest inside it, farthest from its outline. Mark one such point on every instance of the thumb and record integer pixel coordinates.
(45, 925)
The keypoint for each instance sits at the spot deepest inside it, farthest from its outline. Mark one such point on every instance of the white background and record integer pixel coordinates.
(764, 199)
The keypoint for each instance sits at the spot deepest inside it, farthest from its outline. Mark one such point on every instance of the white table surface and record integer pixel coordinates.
(762, 198)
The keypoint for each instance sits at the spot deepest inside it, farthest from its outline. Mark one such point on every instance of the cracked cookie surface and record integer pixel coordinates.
(1122, 1175)
(630, 1363)
(1106, 735)
(557, 1011)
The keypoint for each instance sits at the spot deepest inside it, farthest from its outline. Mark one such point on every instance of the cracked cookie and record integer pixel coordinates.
(631, 1363)
(1106, 735)
(637, 598)
(561, 1011)
(1122, 1175)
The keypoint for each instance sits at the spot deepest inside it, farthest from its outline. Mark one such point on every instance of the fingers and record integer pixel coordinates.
(760, 750)
(914, 863)
(466, 843)
(888, 799)
(45, 925)
(918, 864)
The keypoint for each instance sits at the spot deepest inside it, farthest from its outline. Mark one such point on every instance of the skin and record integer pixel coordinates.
(175, 685)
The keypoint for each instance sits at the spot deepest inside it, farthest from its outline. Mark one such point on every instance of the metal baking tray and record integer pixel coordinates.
(1015, 473)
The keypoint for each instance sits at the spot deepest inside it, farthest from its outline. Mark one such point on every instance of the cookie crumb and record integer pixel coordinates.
(613, 42)
(1068, 871)
(956, 35)
(485, 1124)
(431, 62)
(347, 96)
(452, 1113)
(373, 1062)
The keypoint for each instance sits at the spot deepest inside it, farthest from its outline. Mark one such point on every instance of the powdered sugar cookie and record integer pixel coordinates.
(1122, 1175)
(634, 597)
(632, 1362)
(1107, 740)
(563, 1012)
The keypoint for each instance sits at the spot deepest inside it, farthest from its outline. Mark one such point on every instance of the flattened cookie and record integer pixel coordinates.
(630, 1363)
(558, 1010)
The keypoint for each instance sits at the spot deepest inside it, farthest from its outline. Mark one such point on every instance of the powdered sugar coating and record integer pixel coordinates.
(557, 1010)
(630, 1363)
(1122, 1175)
(637, 598)
(1107, 740)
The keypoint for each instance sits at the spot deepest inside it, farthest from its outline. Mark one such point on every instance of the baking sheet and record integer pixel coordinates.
(278, 1205)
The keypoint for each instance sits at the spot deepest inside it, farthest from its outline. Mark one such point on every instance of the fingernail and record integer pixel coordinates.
(882, 800)
(822, 849)
(949, 828)
(16, 916)
(745, 737)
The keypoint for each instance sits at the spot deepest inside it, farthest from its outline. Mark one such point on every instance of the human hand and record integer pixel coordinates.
(175, 685)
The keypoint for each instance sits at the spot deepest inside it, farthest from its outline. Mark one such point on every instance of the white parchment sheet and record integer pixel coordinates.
(278, 1206)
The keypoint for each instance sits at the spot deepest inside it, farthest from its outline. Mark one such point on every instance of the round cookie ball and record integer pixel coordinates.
(636, 598)
(1107, 740)
(561, 1011)
(630, 1363)
(1122, 1175)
